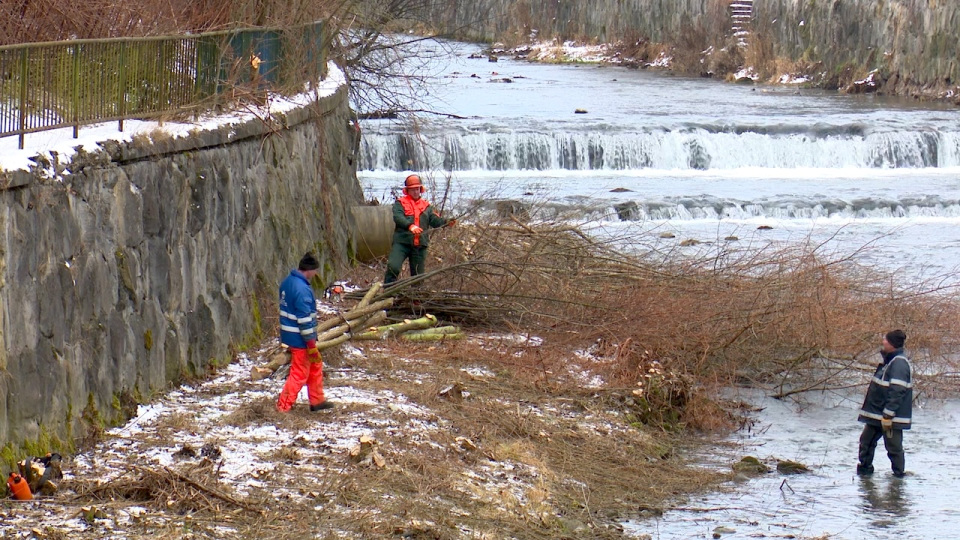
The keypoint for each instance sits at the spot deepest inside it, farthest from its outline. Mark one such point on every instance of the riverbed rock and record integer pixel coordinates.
(722, 530)
(791, 467)
(750, 465)
(511, 208)
(627, 211)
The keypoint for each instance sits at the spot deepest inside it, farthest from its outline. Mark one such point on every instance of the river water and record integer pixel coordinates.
(831, 501)
(698, 158)
(710, 161)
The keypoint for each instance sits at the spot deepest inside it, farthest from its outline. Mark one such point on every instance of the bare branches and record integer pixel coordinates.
(793, 319)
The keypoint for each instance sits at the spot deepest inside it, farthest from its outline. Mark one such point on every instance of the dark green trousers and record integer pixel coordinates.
(400, 253)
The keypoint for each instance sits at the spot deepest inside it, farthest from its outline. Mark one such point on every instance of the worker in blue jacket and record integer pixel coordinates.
(888, 406)
(298, 331)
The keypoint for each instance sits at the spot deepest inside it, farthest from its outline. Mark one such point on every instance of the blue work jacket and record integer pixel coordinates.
(298, 311)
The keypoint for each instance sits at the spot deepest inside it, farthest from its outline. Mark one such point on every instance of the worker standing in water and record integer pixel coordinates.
(413, 217)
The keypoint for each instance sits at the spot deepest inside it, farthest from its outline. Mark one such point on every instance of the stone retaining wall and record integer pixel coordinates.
(152, 261)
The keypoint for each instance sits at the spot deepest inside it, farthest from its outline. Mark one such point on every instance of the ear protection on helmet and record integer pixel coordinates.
(413, 181)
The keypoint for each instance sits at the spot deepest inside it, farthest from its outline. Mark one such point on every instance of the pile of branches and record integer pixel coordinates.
(165, 489)
(726, 315)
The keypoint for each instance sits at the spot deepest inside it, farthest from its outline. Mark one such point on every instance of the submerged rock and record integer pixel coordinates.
(750, 465)
(627, 211)
(791, 467)
(721, 530)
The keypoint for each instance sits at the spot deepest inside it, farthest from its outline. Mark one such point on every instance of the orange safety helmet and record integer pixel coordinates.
(413, 181)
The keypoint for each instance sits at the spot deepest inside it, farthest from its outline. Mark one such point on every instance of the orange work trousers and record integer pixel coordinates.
(302, 371)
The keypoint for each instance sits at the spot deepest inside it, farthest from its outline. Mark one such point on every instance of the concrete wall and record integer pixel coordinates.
(913, 43)
(599, 20)
(139, 265)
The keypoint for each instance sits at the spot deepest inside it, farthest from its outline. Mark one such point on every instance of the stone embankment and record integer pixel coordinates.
(909, 46)
(148, 262)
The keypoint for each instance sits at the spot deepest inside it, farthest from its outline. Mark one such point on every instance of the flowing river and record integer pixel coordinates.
(637, 151)
(698, 158)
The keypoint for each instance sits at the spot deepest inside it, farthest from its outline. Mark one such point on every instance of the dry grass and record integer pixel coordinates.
(523, 450)
(574, 476)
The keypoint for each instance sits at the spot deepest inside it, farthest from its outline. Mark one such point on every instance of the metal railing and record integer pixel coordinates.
(72, 83)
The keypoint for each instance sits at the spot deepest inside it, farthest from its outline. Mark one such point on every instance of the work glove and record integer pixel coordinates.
(313, 354)
(887, 425)
(415, 230)
(451, 222)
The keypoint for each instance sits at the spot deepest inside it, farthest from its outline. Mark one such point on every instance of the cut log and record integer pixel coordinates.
(383, 332)
(372, 292)
(277, 360)
(352, 325)
(355, 313)
(439, 333)
(435, 331)
(409, 336)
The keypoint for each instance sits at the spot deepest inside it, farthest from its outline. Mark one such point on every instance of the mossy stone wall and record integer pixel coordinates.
(138, 265)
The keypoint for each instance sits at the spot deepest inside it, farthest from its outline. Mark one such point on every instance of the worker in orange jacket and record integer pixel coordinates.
(413, 217)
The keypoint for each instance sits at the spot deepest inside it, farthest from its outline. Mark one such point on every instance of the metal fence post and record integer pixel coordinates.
(122, 97)
(75, 98)
(24, 64)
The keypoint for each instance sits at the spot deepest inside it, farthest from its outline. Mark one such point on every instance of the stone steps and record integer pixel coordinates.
(741, 17)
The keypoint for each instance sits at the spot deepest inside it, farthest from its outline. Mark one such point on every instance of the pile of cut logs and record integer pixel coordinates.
(360, 323)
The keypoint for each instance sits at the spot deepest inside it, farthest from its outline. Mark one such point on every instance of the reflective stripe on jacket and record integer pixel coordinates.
(298, 311)
(890, 393)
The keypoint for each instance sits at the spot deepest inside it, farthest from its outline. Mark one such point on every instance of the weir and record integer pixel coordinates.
(714, 147)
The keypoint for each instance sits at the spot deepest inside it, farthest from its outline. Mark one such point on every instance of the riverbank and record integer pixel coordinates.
(904, 48)
(577, 419)
(726, 64)
(465, 441)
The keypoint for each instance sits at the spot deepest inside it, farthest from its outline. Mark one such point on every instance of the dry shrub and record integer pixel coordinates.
(786, 318)
(176, 423)
(263, 410)
(56, 20)
(636, 50)
(761, 55)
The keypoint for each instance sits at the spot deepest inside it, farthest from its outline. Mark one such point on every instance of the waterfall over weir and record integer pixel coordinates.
(681, 165)
(700, 148)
